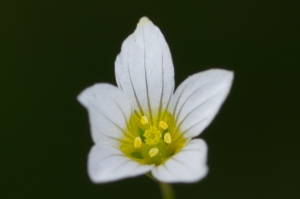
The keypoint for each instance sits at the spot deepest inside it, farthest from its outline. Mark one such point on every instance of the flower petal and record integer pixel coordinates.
(107, 163)
(144, 69)
(109, 109)
(198, 99)
(189, 165)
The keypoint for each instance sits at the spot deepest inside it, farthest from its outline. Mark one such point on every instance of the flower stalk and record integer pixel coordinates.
(166, 191)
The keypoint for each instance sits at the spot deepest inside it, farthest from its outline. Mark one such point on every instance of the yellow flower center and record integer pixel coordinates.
(152, 135)
(151, 142)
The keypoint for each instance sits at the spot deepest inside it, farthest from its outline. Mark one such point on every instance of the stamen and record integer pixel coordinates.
(153, 152)
(137, 142)
(163, 125)
(144, 120)
(168, 138)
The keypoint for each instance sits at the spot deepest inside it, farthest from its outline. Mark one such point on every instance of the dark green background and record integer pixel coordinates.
(51, 50)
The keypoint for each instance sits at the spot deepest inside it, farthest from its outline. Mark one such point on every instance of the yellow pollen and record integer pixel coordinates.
(168, 138)
(137, 142)
(163, 125)
(144, 120)
(153, 152)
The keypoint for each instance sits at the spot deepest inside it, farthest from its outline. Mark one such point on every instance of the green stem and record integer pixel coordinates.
(166, 191)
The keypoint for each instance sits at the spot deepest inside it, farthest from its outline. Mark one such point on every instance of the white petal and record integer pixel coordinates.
(144, 68)
(198, 99)
(109, 109)
(107, 163)
(189, 165)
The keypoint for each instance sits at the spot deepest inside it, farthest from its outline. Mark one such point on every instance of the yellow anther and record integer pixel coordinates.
(144, 120)
(168, 138)
(163, 125)
(137, 142)
(153, 152)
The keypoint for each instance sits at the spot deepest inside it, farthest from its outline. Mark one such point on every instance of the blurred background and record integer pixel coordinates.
(51, 50)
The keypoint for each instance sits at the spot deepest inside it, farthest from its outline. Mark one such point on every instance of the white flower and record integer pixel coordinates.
(142, 126)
